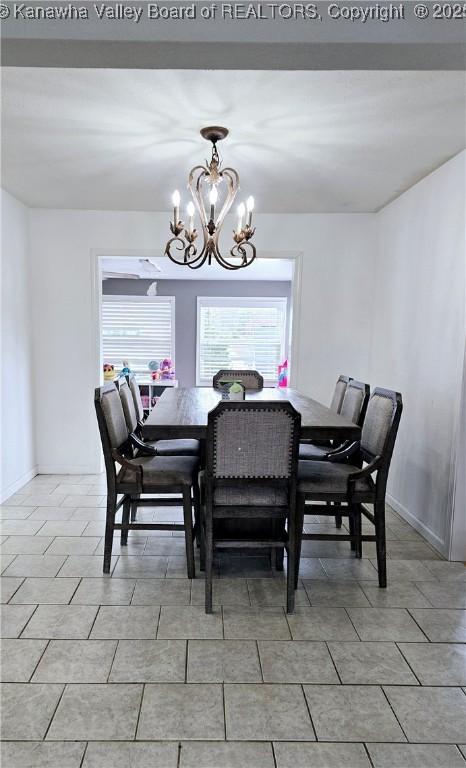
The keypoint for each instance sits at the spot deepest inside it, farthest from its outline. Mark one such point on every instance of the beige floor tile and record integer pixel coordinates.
(85, 565)
(371, 664)
(73, 545)
(266, 713)
(352, 713)
(35, 565)
(45, 590)
(436, 715)
(442, 626)
(161, 592)
(104, 591)
(8, 587)
(335, 594)
(121, 622)
(415, 756)
(96, 712)
(385, 624)
(223, 661)
(26, 545)
(189, 623)
(436, 663)
(179, 711)
(129, 754)
(19, 659)
(195, 754)
(296, 662)
(61, 622)
(14, 618)
(32, 754)
(27, 710)
(75, 661)
(304, 755)
(321, 623)
(149, 661)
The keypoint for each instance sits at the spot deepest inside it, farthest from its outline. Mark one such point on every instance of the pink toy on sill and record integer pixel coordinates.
(166, 369)
(283, 375)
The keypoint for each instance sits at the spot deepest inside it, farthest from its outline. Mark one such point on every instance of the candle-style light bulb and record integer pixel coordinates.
(213, 197)
(190, 211)
(176, 199)
(250, 208)
(241, 210)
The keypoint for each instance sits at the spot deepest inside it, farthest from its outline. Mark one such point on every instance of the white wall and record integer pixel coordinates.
(333, 325)
(418, 340)
(18, 454)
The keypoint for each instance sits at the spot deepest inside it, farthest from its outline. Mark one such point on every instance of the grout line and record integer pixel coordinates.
(368, 754)
(260, 660)
(273, 754)
(139, 712)
(333, 660)
(39, 661)
(55, 711)
(309, 711)
(113, 659)
(382, 688)
(224, 712)
(417, 624)
(406, 660)
(84, 755)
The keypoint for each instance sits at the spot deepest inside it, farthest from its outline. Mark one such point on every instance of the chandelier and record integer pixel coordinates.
(213, 190)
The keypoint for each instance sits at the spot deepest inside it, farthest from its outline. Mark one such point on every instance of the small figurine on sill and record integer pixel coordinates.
(126, 370)
(167, 370)
(154, 368)
(109, 372)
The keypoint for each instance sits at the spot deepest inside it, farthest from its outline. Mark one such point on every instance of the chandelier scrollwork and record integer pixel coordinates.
(213, 190)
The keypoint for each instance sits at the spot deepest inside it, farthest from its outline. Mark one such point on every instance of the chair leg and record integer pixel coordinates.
(338, 517)
(300, 508)
(358, 531)
(379, 514)
(209, 555)
(351, 529)
(109, 529)
(134, 507)
(125, 521)
(188, 531)
(197, 512)
(291, 565)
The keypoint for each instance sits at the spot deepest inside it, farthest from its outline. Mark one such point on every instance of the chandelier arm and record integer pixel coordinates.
(232, 179)
(194, 186)
(241, 249)
(189, 251)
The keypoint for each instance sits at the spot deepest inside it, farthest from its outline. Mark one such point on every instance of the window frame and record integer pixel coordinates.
(142, 299)
(243, 301)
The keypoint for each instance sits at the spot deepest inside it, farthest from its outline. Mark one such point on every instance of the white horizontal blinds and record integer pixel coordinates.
(137, 329)
(241, 333)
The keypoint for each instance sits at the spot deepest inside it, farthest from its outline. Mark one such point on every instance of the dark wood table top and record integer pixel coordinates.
(183, 413)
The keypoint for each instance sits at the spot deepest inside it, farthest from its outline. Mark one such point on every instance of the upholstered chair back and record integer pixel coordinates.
(355, 401)
(339, 393)
(381, 424)
(249, 379)
(127, 402)
(134, 387)
(253, 440)
(112, 423)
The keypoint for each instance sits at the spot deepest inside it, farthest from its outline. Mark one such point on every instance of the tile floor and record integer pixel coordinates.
(127, 670)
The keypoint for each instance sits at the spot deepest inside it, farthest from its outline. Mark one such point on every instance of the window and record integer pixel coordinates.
(240, 333)
(137, 329)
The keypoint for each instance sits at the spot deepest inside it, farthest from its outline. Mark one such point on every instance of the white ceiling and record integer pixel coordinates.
(160, 268)
(301, 141)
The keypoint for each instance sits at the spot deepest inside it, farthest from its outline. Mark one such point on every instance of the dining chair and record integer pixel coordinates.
(343, 481)
(249, 379)
(134, 415)
(251, 473)
(339, 393)
(132, 474)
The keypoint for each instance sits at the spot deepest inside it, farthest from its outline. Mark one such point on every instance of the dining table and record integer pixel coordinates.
(183, 413)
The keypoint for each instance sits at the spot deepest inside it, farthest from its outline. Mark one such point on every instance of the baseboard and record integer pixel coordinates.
(18, 484)
(66, 469)
(418, 525)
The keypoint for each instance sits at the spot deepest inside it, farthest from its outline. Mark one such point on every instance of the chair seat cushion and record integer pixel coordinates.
(250, 496)
(324, 480)
(176, 447)
(161, 470)
(310, 452)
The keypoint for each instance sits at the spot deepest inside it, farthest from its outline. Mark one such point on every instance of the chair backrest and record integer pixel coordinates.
(355, 401)
(381, 425)
(339, 393)
(112, 424)
(253, 440)
(127, 401)
(134, 387)
(249, 379)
